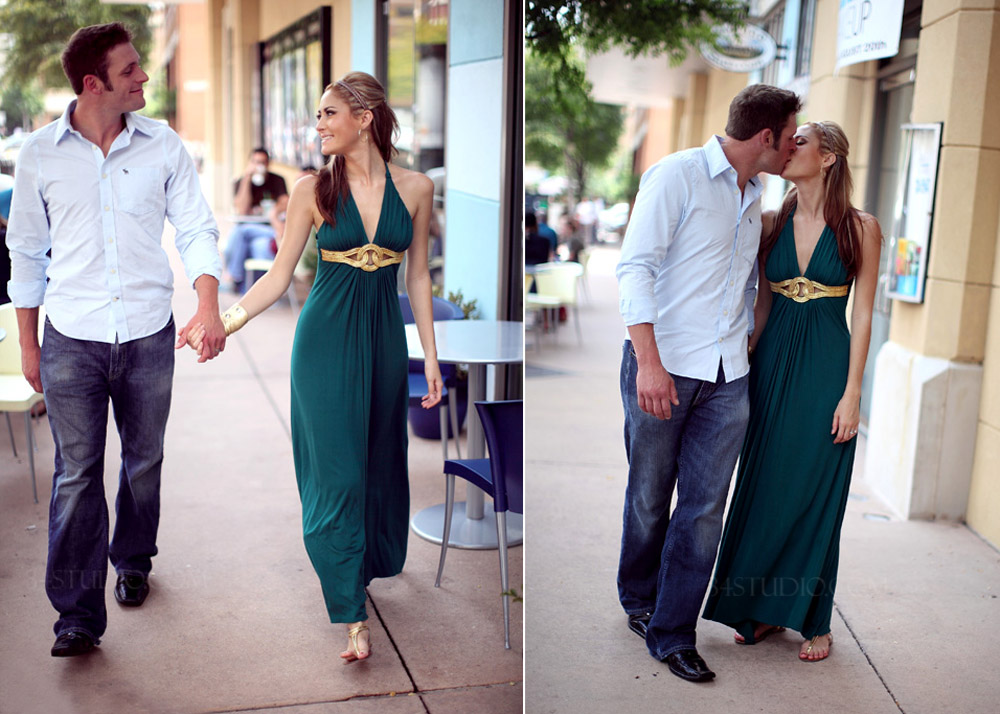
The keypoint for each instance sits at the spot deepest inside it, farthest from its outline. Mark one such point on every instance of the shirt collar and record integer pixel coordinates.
(719, 164)
(65, 126)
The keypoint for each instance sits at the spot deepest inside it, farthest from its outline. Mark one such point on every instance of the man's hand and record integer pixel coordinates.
(30, 365)
(656, 391)
(206, 331)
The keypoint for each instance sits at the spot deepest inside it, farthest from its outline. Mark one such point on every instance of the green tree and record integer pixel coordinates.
(565, 130)
(20, 104)
(652, 27)
(39, 30)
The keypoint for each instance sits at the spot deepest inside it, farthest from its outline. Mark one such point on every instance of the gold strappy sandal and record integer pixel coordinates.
(804, 655)
(353, 634)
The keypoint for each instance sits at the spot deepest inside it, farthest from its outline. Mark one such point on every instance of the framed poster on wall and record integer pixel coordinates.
(909, 239)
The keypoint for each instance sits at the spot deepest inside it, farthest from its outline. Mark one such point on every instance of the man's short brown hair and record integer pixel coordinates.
(87, 52)
(758, 107)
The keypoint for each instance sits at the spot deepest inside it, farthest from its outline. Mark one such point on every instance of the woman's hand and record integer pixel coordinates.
(194, 336)
(846, 418)
(434, 384)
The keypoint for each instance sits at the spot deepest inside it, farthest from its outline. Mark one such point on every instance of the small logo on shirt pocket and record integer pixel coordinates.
(140, 190)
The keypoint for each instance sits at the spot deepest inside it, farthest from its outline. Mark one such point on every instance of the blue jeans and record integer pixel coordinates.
(667, 558)
(248, 240)
(79, 377)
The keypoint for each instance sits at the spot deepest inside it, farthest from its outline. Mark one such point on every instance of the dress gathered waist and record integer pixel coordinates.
(802, 289)
(369, 257)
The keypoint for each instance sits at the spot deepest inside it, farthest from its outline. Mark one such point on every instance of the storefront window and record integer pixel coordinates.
(416, 43)
(294, 70)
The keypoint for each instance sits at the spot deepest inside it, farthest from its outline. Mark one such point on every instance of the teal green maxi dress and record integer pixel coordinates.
(778, 559)
(349, 399)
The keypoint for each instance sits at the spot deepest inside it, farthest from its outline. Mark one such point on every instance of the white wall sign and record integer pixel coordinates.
(744, 50)
(869, 29)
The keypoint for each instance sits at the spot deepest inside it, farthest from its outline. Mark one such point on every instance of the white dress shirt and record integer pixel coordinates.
(688, 262)
(102, 217)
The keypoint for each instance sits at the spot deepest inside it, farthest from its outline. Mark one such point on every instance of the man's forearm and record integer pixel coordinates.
(27, 326)
(644, 343)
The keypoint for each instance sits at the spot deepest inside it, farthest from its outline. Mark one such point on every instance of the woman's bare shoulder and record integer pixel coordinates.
(412, 182)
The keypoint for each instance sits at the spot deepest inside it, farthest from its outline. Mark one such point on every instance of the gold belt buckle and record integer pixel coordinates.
(368, 257)
(802, 289)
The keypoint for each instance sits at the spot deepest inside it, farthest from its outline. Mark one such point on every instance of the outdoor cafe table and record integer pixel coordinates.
(477, 343)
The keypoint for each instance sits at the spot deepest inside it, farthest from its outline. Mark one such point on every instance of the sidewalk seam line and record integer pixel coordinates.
(402, 660)
(870, 663)
(267, 392)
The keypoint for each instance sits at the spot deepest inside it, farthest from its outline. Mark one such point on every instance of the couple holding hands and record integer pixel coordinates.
(92, 191)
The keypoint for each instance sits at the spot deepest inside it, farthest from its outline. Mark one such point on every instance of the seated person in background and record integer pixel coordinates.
(546, 231)
(536, 249)
(257, 193)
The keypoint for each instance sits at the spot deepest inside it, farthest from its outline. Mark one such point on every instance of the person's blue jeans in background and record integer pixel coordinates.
(248, 240)
(79, 377)
(666, 559)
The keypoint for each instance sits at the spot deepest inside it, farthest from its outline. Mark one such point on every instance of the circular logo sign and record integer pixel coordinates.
(744, 50)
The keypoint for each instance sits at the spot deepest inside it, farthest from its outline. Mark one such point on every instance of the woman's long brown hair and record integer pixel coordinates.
(332, 188)
(838, 212)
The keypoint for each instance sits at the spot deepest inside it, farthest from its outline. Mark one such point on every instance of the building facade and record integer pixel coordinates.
(451, 70)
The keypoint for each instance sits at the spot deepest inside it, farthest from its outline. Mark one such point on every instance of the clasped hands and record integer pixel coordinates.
(205, 335)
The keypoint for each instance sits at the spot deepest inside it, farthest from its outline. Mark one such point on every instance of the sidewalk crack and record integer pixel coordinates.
(402, 660)
(870, 663)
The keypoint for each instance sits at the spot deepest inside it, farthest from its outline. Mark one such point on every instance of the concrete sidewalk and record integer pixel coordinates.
(236, 620)
(916, 621)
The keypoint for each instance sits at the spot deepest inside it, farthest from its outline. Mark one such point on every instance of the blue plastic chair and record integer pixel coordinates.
(501, 476)
(443, 310)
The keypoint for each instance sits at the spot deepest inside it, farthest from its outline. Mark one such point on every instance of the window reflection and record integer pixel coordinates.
(417, 71)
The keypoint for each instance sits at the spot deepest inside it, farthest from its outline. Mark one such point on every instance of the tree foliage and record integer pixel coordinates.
(39, 30)
(565, 130)
(20, 104)
(651, 27)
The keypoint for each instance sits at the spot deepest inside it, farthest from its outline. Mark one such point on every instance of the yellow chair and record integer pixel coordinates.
(560, 281)
(538, 311)
(16, 395)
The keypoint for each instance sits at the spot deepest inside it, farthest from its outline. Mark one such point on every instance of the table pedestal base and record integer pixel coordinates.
(480, 534)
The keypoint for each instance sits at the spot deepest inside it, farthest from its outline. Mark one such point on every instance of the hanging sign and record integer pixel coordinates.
(909, 240)
(869, 29)
(744, 50)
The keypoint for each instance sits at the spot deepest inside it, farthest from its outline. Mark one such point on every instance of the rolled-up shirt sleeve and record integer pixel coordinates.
(197, 234)
(651, 228)
(28, 237)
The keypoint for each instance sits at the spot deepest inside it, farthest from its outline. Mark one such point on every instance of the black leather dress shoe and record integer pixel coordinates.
(131, 590)
(688, 664)
(639, 623)
(71, 644)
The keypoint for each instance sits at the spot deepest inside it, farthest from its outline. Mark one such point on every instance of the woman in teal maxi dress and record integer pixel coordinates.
(777, 564)
(349, 358)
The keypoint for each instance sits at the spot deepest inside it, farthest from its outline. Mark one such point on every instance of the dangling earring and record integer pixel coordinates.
(359, 133)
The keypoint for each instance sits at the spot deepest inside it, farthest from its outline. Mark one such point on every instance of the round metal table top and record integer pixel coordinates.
(472, 341)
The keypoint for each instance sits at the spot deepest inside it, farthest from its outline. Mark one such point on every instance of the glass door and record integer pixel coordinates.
(895, 104)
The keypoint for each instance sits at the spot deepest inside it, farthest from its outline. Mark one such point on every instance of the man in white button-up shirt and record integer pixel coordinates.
(91, 194)
(686, 286)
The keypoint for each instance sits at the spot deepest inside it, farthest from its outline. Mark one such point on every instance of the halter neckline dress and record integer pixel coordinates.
(348, 414)
(778, 559)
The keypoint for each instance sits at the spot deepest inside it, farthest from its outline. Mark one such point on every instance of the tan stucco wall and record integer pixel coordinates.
(958, 71)
(975, 105)
(193, 63)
